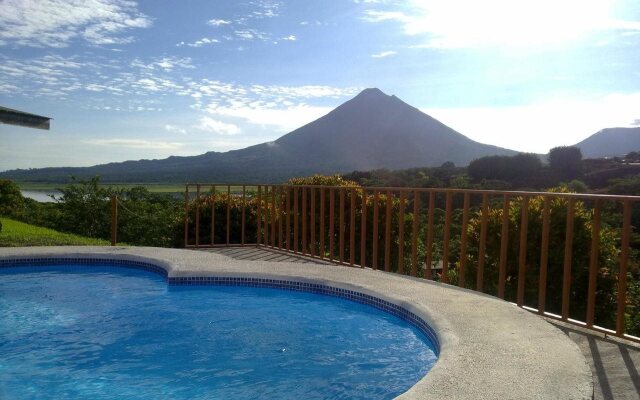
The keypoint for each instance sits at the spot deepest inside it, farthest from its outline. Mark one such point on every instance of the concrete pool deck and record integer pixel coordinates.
(489, 349)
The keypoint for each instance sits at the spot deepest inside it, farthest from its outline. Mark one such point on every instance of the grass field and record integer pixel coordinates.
(170, 188)
(15, 234)
(152, 187)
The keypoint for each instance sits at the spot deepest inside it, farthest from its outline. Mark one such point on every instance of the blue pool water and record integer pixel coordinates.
(108, 333)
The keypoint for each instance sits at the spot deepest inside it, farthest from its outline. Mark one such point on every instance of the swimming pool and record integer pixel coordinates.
(101, 331)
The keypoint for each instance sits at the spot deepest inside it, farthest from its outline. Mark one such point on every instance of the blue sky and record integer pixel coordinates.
(130, 79)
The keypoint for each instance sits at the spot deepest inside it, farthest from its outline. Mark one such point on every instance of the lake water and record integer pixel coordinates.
(42, 196)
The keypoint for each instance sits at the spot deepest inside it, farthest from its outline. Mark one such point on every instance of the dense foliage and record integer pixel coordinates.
(11, 200)
(348, 208)
(519, 169)
(322, 180)
(443, 176)
(84, 208)
(607, 265)
(212, 208)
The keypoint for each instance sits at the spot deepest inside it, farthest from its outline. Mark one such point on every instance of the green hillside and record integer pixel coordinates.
(15, 234)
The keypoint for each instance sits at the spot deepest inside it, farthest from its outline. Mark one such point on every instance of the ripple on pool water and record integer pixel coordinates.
(126, 334)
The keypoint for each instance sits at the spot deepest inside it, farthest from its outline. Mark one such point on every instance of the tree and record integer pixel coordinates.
(448, 165)
(566, 162)
(11, 200)
(626, 186)
(490, 167)
(633, 156)
(145, 219)
(523, 165)
(518, 170)
(577, 186)
(84, 208)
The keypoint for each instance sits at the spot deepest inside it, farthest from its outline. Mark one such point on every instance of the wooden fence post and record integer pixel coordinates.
(114, 220)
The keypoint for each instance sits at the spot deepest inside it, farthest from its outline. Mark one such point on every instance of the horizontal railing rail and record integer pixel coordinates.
(567, 256)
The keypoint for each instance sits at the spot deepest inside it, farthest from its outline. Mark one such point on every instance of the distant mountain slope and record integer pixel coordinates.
(611, 142)
(372, 130)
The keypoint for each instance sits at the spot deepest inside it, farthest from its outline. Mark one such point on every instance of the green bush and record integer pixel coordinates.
(322, 180)
(217, 204)
(607, 272)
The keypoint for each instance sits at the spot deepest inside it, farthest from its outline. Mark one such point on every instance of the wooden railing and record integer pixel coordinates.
(562, 255)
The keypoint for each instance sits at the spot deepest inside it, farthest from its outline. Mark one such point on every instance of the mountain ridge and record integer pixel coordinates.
(372, 130)
(610, 142)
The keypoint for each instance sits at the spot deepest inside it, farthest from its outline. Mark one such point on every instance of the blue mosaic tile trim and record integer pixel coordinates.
(82, 262)
(315, 288)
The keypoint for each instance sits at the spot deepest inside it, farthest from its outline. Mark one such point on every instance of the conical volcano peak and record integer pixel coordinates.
(372, 100)
(372, 92)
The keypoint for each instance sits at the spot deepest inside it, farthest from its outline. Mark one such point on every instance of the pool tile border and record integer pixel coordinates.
(291, 285)
(80, 262)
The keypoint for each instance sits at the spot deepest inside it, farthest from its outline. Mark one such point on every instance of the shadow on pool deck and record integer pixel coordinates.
(262, 254)
(614, 363)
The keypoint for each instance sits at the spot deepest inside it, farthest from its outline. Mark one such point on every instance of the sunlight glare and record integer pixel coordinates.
(465, 23)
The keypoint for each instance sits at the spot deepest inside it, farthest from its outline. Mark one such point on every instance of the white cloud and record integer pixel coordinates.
(208, 124)
(283, 118)
(164, 63)
(8, 88)
(243, 24)
(305, 91)
(541, 126)
(384, 54)
(55, 61)
(282, 107)
(175, 129)
(107, 84)
(148, 84)
(135, 143)
(92, 87)
(266, 9)
(251, 34)
(315, 23)
(46, 76)
(467, 23)
(55, 23)
(144, 85)
(218, 22)
(199, 43)
(292, 38)
(380, 16)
